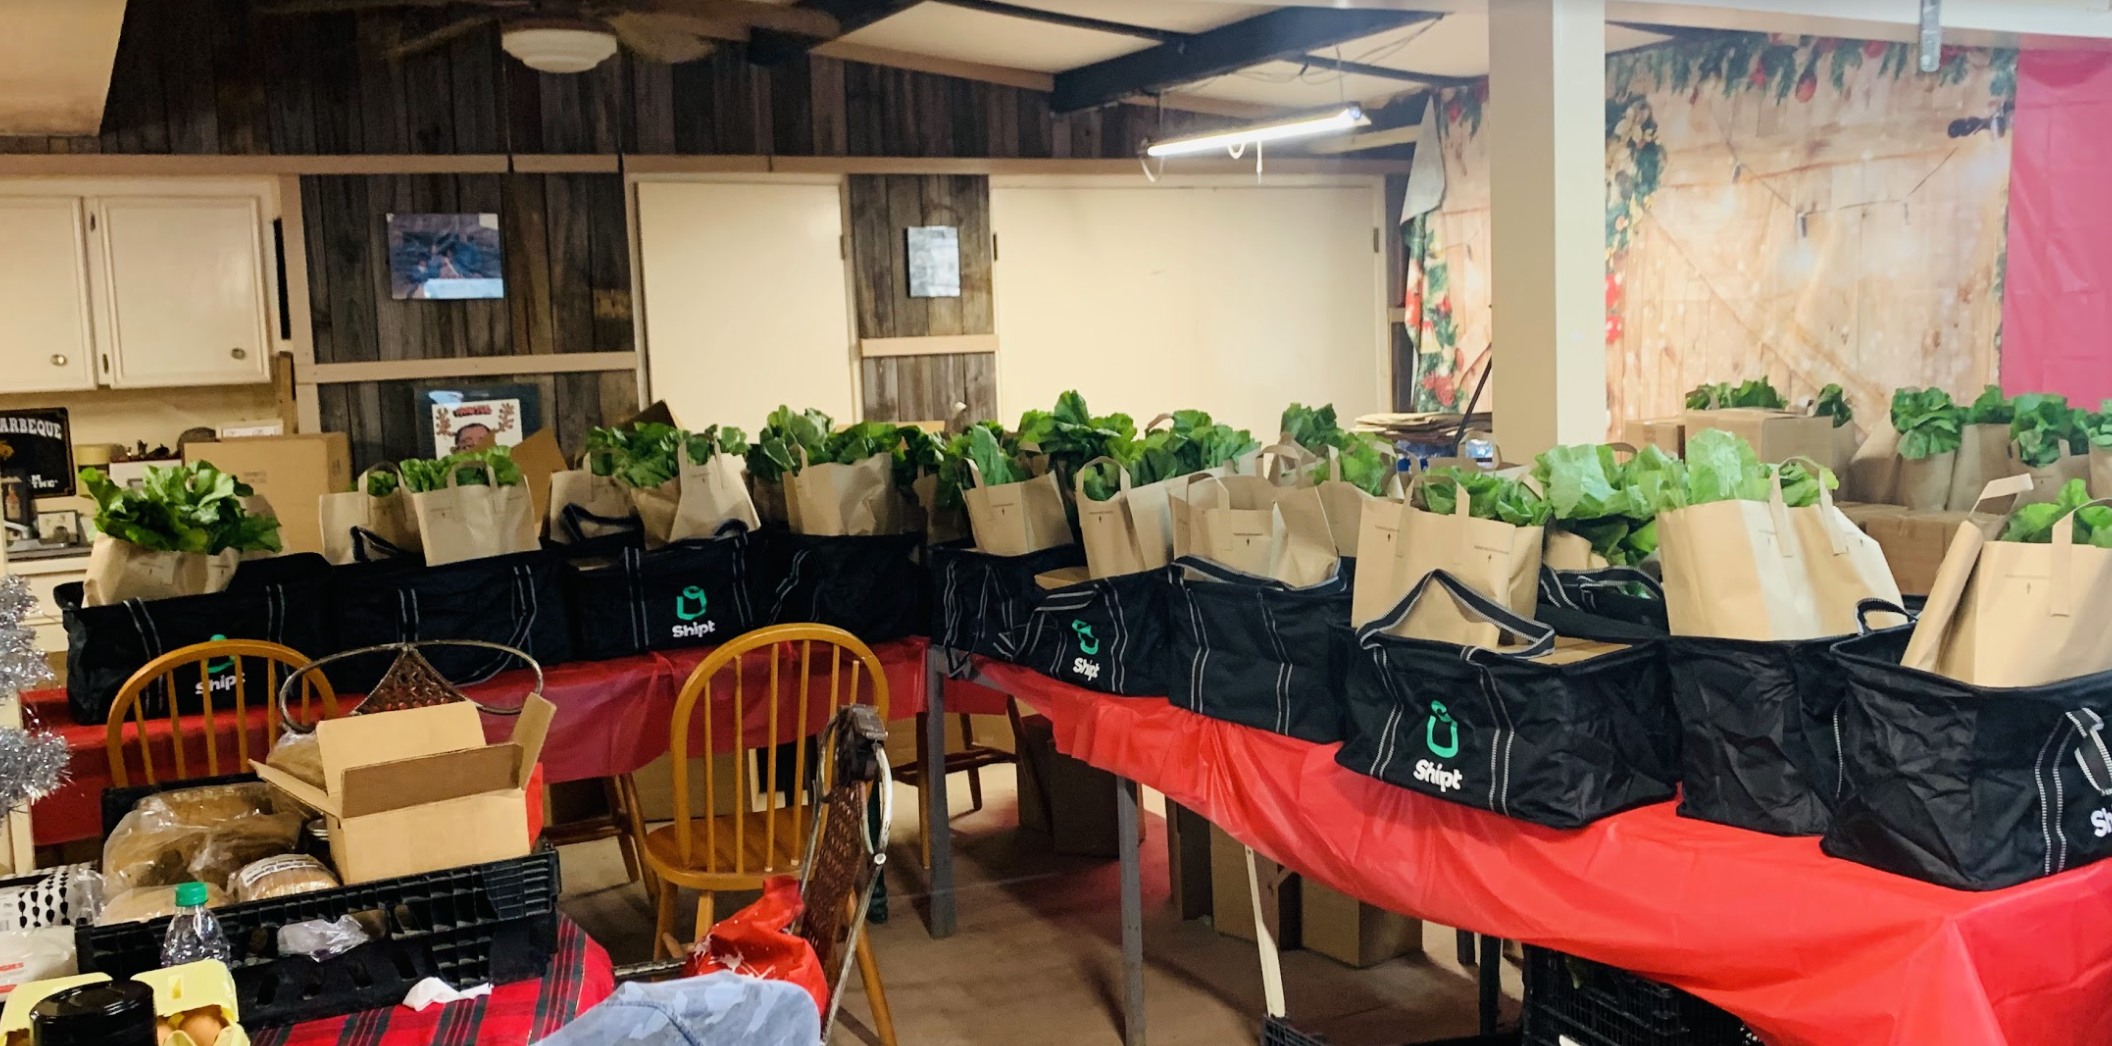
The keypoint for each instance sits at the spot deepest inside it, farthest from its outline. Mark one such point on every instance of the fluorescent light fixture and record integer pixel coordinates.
(1338, 118)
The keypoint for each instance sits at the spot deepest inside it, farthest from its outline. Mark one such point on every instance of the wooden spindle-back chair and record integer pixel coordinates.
(156, 692)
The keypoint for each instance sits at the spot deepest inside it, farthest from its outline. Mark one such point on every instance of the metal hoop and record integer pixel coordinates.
(286, 689)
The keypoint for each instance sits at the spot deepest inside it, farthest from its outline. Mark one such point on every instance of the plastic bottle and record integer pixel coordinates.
(193, 934)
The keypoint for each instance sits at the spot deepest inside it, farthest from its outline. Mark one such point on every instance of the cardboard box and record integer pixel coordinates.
(1914, 542)
(540, 458)
(1232, 908)
(1776, 435)
(1666, 434)
(1351, 932)
(419, 790)
(291, 472)
(1861, 513)
(1064, 797)
(1188, 861)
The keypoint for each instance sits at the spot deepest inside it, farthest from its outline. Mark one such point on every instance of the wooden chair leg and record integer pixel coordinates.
(707, 913)
(664, 923)
(634, 819)
(975, 773)
(875, 994)
(612, 791)
(924, 780)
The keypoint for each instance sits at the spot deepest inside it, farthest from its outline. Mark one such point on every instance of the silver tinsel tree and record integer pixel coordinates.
(31, 763)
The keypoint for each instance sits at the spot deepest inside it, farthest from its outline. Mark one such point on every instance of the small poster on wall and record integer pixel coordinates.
(463, 418)
(445, 256)
(934, 261)
(36, 443)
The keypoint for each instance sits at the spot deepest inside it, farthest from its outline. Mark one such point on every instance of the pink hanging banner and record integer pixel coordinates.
(2057, 295)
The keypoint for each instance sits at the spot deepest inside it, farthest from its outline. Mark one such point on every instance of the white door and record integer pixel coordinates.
(1235, 300)
(745, 300)
(184, 287)
(46, 341)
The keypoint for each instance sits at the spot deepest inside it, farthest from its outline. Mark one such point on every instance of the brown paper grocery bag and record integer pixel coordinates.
(119, 570)
(1734, 570)
(1925, 483)
(712, 494)
(859, 499)
(1844, 565)
(388, 517)
(472, 520)
(584, 505)
(1344, 503)
(1106, 528)
(1983, 457)
(2047, 481)
(2006, 613)
(1567, 551)
(1249, 524)
(1847, 439)
(1373, 587)
(941, 525)
(2100, 471)
(1492, 557)
(1014, 519)
(1873, 473)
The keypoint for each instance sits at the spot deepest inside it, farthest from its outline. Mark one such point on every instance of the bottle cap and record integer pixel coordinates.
(190, 895)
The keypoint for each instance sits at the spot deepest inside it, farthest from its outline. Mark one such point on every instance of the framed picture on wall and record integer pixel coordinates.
(443, 256)
(38, 442)
(471, 417)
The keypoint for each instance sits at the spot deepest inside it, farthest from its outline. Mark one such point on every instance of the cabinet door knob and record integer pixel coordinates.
(238, 354)
(58, 360)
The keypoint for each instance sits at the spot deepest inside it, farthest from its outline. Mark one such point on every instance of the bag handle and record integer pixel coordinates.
(1078, 478)
(1278, 454)
(454, 474)
(1603, 577)
(574, 517)
(1933, 626)
(1163, 419)
(1778, 510)
(1866, 607)
(1540, 639)
(2061, 594)
(359, 482)
(363, 540)
(2092, 754)
(1214, 571)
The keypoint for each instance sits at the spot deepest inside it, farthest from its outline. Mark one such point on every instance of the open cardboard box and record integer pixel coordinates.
(418, 790)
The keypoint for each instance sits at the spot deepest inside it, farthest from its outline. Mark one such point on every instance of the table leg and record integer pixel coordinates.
(936, 810)
(1491, 981)
(1126, 825)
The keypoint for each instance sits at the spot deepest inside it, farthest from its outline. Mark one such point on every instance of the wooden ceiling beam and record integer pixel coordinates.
(1284, 33)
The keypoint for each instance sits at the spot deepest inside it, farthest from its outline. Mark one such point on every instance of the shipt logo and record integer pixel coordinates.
(1441, 736)
(1088, 647)
(219, 672)
(690, 605)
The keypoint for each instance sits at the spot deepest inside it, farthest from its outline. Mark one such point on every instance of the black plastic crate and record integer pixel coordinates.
(492, 922)
(1276, 1032)
(1593, 1004)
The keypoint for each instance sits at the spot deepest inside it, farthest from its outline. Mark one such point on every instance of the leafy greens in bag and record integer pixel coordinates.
(1489, 496)
(2044, 427)
(1990, 408)
(2097, 428)
(1927, 421)
(1721, 466)
(997, 458)
(491, 465)
(645, 454)
(1758, 392)
(1070, 435)
(1833, 403)
(382, 484)
(1193, 443)
(183, 508)
(1362, 454)
(774, 453)
(912, 450)
(1612, 504)
(2034, 524)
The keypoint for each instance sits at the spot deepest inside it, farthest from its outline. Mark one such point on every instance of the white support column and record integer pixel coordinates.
(1547, 209)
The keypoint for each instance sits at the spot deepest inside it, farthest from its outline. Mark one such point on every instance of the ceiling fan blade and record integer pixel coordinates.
(332, 7)
(656, 40)
(755, 14)
(443, 36)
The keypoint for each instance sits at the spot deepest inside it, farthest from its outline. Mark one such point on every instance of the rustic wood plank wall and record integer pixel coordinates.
(383, 423)
(922, 388)
(216, 77)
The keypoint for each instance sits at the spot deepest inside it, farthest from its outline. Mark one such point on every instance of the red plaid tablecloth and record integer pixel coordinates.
(512, 1015)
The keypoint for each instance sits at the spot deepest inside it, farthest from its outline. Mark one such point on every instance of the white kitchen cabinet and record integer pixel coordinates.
(182, 284)
(47, 343)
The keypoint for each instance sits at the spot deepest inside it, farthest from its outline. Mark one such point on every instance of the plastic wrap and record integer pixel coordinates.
(153, 902)
(321, 939)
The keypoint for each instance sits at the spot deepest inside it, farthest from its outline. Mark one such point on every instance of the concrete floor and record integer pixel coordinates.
(1037, 959)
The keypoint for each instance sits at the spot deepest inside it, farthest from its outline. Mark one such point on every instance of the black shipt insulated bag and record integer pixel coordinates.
(1620, 594)
(1760, 746)
(1972, 787)
(1108, 634)
(278, 599)
(871, 587)
(627, 600)
(1255, 651)
(1556, 742)
(514, 600)
(980, 602)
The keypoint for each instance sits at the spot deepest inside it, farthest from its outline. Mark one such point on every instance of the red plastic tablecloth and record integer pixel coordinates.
(612, 718)
(1809, 950)
(512, 1015)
